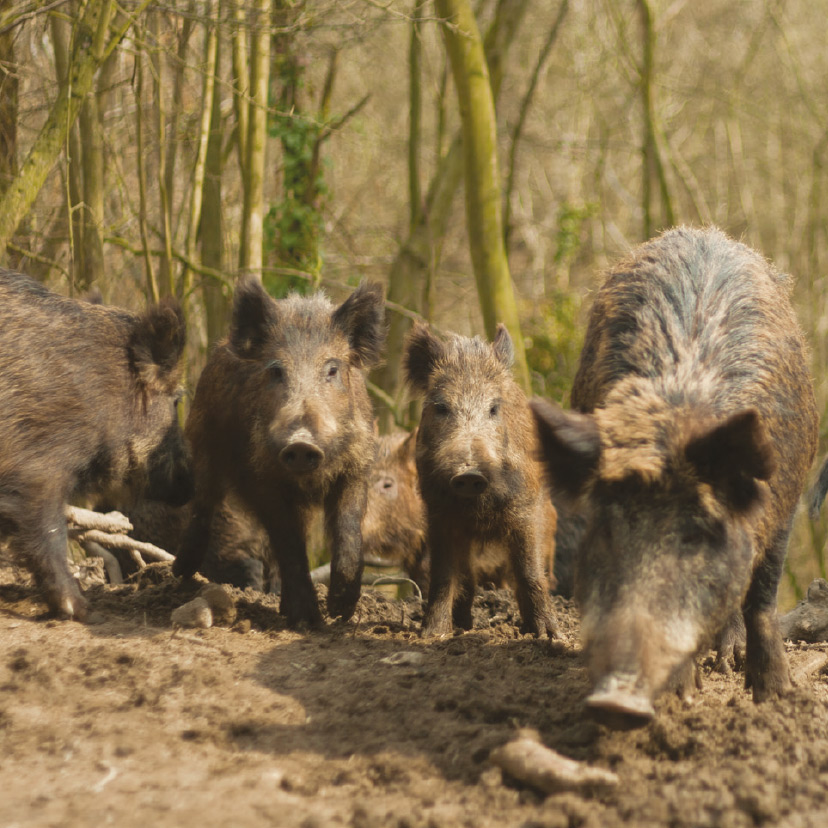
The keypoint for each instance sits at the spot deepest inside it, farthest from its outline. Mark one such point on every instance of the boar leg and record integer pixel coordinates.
(42, 538)
(446, 549)
(461, 612)
(730, 644)
(766, 667)
(285, 524)
(344, 508)
(196, 537)
(531, 587)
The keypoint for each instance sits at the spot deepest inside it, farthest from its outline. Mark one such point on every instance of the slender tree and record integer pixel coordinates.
(250, 254)
(482, 177)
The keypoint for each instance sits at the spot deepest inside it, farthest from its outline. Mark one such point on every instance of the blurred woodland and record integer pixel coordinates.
(484, 169)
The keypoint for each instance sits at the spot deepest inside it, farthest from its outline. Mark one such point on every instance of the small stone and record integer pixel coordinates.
(221, 604)
(243, 626)
(195, 613)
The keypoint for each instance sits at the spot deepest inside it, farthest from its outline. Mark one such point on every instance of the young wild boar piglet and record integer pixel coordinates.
(479, 476)
(694, 429)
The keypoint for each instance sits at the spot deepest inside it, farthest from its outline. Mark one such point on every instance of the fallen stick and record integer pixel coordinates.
(527, 760)
(814, 662)
(125, 542)
(87, 519)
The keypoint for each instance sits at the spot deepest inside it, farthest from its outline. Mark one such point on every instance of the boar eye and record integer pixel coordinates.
(331, 370)
(441, 409)
(276, 372)
(495, 409)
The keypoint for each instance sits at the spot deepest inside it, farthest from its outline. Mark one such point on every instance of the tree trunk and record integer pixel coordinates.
(8, 105)
(409, 275)
(166, 280)
(61, 42)
(652, 166)
(216, 301)
(197, 183)
(91, 139)
(482, 176)
(250, 254)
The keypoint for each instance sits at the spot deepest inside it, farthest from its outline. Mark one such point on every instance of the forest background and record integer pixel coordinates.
(486, 161)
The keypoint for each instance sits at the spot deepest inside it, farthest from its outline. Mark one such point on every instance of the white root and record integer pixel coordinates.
(113, 522)
(526, 760)
(125, 542)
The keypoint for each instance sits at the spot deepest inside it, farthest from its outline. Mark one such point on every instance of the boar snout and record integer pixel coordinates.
(470, 483)
(301, 457)
(620, 702)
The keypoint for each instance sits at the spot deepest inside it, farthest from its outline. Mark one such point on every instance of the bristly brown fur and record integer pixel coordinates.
(694, 373)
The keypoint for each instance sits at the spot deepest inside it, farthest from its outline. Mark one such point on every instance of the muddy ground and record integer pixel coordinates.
(127, 722)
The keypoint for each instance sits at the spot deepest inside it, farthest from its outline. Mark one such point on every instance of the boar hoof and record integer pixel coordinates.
(184, 568)
(68, 605)
(544, 628)
(342, 605)
(436, 628)
(768, 686)
(618, 703)
(301, 458)
(469, 484)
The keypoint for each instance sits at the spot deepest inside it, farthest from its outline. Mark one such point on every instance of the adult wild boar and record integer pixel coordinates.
(479, 476)
(89, 396)
(694, 428)
(282, 420)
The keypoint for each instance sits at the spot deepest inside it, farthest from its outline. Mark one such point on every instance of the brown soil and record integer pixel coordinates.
(128, 722)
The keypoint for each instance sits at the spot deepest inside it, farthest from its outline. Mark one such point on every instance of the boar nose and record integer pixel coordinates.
(619, 701)
(300, 457)
(469, 484)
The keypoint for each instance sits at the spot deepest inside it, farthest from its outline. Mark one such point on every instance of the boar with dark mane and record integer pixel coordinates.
(282, 421)
(693, 431)
(89, 408)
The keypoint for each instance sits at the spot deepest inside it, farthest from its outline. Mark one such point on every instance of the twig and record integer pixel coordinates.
(87, 519)
(125, 542)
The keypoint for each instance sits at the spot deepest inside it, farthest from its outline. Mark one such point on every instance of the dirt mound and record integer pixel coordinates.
(130, 722)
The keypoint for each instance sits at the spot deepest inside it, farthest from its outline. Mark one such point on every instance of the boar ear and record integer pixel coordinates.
(408, 447)
(732, 456)
(157, 342)
(503, 347)
(361, 317)
(422, 351)
(254, 314)
(570, 446)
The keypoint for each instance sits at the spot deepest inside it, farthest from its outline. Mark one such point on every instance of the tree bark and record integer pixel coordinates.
(197, 183)
(652, 167)
(166, 279)
(482, 176)
(216, 299)
(250, 254)
(8, 105)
